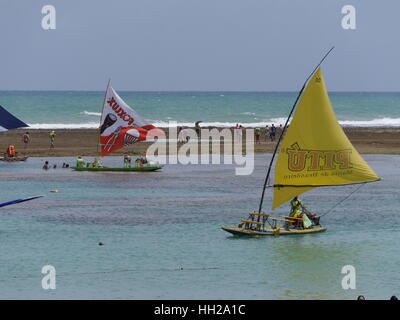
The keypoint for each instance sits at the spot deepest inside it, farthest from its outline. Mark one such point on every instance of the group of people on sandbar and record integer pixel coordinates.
(269, 132)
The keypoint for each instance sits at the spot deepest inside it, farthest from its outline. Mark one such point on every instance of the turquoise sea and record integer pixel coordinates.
(162, 237)
(74, 109)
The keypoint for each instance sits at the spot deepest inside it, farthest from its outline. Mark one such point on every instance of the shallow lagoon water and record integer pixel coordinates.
(163, 240)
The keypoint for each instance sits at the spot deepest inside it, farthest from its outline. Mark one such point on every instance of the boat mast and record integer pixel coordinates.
(101, 116)
(284, 128)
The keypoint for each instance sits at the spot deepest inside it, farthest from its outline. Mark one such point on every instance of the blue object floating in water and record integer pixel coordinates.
(18, 201)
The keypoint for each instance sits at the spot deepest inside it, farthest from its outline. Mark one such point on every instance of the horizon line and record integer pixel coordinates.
(199, 91)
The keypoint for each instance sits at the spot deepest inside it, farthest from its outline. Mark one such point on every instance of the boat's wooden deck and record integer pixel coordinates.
(271, 232)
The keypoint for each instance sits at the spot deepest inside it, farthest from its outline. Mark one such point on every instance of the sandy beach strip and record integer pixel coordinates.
(75, 142)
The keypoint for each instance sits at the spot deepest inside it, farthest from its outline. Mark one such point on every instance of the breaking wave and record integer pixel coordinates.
(381, 122)
(89, 113)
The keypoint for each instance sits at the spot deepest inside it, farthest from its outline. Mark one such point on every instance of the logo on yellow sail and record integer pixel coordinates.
(316, 160)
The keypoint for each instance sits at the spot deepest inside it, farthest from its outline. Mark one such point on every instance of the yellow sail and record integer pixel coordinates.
(315, 151)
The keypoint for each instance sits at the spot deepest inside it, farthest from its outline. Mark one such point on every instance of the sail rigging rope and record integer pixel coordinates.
(344, 199)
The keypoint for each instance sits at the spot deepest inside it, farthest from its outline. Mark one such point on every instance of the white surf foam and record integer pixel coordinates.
(90, 125)
(381, 122)
(89, 113)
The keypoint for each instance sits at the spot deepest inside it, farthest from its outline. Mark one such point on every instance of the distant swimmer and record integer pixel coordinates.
(46, 166)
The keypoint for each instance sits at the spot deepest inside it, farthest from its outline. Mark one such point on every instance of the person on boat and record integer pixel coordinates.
(97, 163)
(127, 161)
(138, 162)
(295, 202)
(305, 222)
(80, 163)
(11, 151)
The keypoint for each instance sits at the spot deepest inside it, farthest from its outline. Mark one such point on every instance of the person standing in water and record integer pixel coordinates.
(46, 166)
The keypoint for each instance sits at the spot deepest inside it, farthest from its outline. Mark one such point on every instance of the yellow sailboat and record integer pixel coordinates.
(315, 152)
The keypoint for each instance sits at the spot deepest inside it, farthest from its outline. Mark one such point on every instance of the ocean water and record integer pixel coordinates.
(162, 237)
(82, 109)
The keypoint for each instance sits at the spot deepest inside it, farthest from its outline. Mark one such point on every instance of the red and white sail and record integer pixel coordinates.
(121, 125)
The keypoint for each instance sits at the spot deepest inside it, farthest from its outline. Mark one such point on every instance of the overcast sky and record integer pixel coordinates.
(256, 45)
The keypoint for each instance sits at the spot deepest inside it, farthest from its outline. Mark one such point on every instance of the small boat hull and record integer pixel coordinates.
(13, 159)
(240, 231)
(133, 169)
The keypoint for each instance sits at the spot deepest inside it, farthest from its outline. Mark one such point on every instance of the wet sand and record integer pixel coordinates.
(75, 142)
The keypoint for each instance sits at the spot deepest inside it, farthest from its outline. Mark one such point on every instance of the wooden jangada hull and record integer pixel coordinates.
(261, 224)
(133, 169)
(240, 231)
(13, 159)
